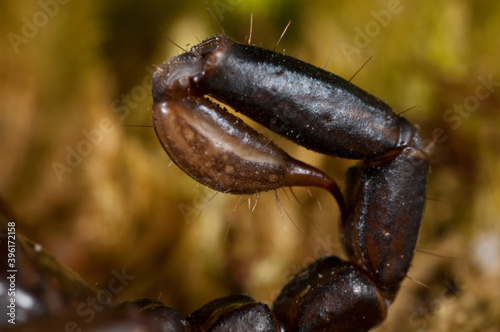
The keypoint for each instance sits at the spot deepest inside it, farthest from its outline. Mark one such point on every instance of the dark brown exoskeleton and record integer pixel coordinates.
(384, 198)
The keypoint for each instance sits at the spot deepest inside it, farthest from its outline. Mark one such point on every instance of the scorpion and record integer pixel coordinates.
(380, 208)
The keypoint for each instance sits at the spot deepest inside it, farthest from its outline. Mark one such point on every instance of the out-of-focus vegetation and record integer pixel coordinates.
(101, 196)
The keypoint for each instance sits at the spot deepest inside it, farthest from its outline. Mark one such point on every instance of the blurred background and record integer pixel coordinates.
(101, 195)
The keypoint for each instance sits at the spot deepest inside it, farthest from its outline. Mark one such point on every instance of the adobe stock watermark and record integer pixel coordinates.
(461, 110)
(31, 26)
(423, 317)
(365, 35)
(221, 7)
(88, 309)
(203, 195)
(76, 154)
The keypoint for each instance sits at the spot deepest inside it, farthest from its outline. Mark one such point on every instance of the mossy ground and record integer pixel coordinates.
(83, 68)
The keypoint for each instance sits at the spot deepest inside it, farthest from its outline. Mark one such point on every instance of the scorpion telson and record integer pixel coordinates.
(384, 196)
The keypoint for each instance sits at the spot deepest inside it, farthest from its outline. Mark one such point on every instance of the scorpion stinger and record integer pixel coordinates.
(384, 196)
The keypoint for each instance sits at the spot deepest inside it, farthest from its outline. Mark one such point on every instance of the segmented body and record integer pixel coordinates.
(384, 198)
(381, 206)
